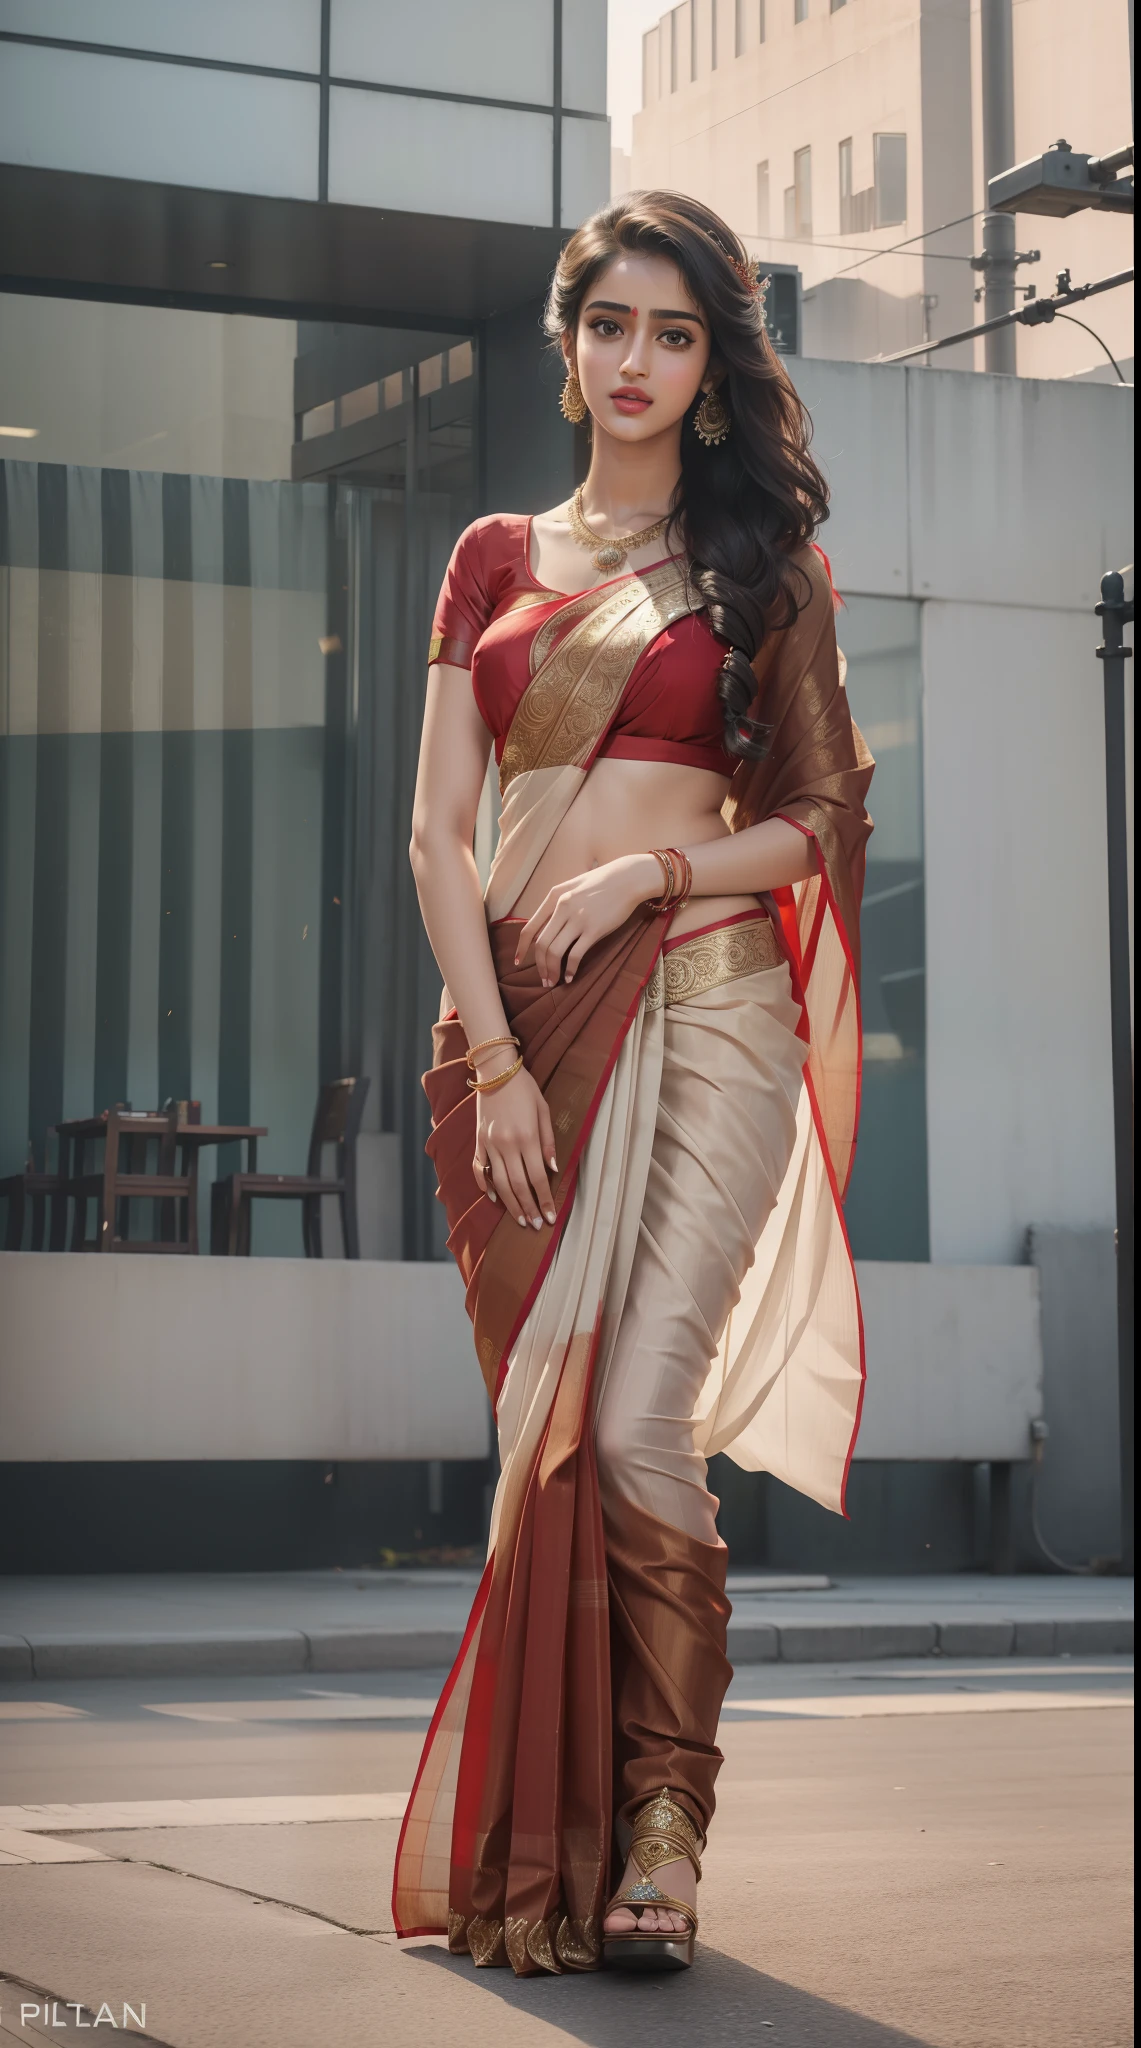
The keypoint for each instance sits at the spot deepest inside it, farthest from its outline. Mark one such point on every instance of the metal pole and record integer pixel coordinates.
(998, 154)
(1116, 611)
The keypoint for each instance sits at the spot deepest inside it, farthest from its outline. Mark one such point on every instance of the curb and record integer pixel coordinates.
(250, 1652)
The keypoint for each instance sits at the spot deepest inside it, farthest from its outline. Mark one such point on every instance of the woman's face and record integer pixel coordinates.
(642, 348)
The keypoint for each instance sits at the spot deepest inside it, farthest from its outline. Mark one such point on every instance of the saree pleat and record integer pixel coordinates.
(704, 1123)
(669, 1618)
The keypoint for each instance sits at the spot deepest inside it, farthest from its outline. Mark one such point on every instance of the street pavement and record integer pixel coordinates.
(361, 1620)
(924, 1853)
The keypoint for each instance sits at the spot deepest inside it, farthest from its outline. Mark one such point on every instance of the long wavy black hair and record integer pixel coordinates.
(741, 507)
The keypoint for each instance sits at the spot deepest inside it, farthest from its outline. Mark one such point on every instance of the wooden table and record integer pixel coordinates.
(77, 1133)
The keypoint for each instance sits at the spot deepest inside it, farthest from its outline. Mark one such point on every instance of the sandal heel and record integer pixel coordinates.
(663, 1833)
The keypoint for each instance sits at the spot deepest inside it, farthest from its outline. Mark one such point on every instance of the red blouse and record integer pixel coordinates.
(670, 710)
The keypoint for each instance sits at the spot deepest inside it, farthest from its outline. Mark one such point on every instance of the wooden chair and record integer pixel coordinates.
(35, 1190)
(337, 1121)
(124, 1179)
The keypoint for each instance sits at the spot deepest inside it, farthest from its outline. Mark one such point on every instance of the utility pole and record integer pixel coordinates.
(998, 258)
(1116, 612)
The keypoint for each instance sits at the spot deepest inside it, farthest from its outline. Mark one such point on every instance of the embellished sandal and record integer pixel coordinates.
(663, 1833)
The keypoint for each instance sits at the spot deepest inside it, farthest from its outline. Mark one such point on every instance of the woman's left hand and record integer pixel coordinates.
(575, 914)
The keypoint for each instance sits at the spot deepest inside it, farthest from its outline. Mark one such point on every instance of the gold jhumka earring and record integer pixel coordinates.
(572, 404)
(711, 421)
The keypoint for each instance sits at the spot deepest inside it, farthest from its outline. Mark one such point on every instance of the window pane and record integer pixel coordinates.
(790, 213)
(802, 183)
(459, 362)
(800, 10)
(762, 199)
(360, 404)
(205, 783)
(846, 169)
(886, 1208)
(431, 374)
(891, 180)
(320, 419)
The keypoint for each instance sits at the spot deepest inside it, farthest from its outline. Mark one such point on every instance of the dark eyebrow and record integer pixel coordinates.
(658, 313)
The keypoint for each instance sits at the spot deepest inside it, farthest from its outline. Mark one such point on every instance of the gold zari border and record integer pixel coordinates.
(710, 958)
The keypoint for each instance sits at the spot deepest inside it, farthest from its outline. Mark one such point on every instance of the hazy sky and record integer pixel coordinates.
(628, 19)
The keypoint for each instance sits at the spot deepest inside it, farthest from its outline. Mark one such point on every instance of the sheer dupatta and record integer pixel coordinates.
(785, 1392)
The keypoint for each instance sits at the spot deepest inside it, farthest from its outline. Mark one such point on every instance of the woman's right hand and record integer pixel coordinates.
(514, 1136)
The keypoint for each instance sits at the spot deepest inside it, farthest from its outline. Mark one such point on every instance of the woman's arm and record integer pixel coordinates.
(576, 913)
(514, 1133)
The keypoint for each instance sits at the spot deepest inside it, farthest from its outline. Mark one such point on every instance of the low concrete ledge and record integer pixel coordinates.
(364, 1649)
(360, 1359)
(830, 1642)
(15, 1658)
(247, 1653)
(213, 1653)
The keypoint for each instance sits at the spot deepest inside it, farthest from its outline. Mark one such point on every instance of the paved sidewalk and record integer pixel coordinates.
(247, 1622)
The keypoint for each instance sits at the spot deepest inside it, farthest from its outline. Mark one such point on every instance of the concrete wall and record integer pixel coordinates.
(113, 1359)
(998, 503)
(118, 1358)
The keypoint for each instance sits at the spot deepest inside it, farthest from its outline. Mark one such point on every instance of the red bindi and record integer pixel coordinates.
(634, 311)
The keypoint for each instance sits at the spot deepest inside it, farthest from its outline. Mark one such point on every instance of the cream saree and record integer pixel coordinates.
(695, 1294)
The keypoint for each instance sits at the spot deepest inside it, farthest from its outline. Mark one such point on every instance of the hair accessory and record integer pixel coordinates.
(751, 272)
(572, 404)
(711, 421)
(609, 554)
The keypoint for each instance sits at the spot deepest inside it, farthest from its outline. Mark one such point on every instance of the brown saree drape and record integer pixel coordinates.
(593, 1667)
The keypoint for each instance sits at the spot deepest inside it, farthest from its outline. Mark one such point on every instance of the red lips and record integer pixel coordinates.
(629, 401)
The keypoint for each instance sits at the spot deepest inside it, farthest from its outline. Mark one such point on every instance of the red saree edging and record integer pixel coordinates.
(841, 1219)
(477, 1608)
(571, 1171)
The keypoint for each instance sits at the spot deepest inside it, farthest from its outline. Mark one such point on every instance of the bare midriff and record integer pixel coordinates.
(630, 807)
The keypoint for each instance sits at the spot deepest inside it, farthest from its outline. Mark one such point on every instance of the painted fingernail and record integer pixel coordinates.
(570, 978)
(491, 1195)
(550, 1216)
(536, 1223)
(554, 1164)
(522, 1222)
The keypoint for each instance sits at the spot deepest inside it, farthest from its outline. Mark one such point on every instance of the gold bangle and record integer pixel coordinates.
(669, 876)
(686, 889)
(484, 1044)
(497, 1080)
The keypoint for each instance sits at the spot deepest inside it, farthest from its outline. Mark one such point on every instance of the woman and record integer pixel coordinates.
(644, 1090)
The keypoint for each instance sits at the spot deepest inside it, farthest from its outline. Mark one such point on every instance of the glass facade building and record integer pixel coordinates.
(221, 541)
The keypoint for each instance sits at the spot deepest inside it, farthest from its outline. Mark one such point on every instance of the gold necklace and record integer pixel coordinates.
(610, 554)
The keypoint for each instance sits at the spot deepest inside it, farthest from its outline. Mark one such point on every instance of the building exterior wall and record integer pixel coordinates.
(945, 491)
(729, 85)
